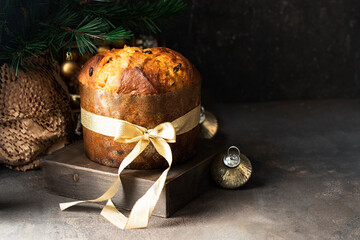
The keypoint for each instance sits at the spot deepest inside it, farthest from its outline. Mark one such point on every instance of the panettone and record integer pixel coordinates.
(145, 87)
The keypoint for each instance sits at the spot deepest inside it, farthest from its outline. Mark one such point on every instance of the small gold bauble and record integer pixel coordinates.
(103, 48)
(208, 124)
(231, 170)
(68, 68)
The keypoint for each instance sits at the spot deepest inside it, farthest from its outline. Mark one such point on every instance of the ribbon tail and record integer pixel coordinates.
(140, 214)
(64, 206)
(142, 210)
(113, 215)
(109, 211)
(144, 207)
(112, 191)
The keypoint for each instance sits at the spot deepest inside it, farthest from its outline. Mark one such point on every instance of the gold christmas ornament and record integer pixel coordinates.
(69, 67)
(103, 48)
(208, 124)
(231, 169)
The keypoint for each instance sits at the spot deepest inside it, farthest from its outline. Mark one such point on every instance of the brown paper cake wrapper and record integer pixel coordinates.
(143, 110)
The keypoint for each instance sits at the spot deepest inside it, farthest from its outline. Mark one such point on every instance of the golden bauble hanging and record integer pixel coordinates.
(231, 169)
(103, 48)
(208, 124)
(69, 68)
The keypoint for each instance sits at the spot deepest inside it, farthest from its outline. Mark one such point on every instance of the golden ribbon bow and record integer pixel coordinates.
(127, 132)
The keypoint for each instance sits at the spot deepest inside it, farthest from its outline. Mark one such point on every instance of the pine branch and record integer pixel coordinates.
(140, 16)
(118, 33)
(31, 26)
(95, 29)
(19, 51)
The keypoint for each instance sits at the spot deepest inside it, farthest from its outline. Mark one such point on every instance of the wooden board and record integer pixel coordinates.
(68, 172)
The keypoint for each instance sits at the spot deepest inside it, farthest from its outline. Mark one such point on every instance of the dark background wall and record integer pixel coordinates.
(271, 50)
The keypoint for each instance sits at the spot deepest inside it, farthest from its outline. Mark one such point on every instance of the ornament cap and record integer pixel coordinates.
(232, 159)
(69, 56)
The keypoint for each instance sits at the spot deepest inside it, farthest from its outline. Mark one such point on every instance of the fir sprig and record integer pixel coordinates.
(31, 26)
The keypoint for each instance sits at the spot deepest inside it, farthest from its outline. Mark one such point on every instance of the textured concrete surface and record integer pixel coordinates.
(305, 185)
